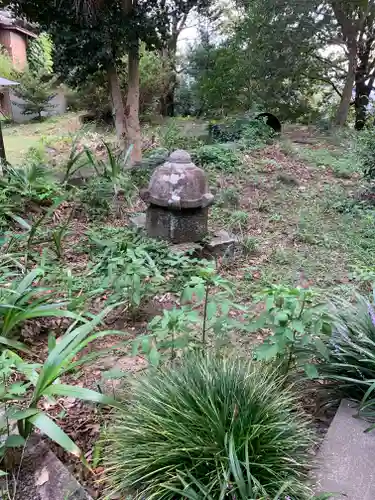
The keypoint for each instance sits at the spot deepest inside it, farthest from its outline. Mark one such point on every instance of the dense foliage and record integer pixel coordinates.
(189, 420)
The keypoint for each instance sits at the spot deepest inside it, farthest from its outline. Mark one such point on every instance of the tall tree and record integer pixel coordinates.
(179, 12)
(94, 35)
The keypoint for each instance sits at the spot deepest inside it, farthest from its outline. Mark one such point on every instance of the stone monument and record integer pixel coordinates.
(178, 198)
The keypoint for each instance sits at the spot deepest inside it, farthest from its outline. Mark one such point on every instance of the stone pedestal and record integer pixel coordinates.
(177, 226)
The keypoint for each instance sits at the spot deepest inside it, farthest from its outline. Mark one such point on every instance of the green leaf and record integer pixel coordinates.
(270, 301)
(54, 432)
(211, 310)
(298, 325)
(15, 414)
(257, 324)
(311, 371)
(14, 343)
(135, 346)
(321, 347)
(200, 291)
(267, 351)
(281, 318)
(225, 306)
(154, 357)
(187, 294)
(14, 441)
(72, 391)
(288, 333)
(145, 345)
(51, 342)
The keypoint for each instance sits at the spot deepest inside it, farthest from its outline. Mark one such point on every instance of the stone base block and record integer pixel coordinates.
(177, 226)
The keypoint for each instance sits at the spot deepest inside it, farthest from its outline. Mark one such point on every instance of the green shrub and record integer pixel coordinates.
(31, 182)
(172, 137)
(297, 322)
(256, 133)
(366, 153)
(217, 156)
(250, 133)
(192, 418)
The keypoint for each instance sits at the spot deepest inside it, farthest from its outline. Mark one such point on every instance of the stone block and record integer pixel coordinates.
(43, 477)
(346, 458)
(222, 244)
(177, 226)
(138, 222)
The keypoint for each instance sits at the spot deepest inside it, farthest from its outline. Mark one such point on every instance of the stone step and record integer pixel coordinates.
(346, 457)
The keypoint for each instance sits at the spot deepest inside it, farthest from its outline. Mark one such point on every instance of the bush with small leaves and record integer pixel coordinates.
(190, 419)
(216, 156)
(366, 153)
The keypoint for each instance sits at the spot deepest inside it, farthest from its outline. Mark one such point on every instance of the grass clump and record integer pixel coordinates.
(184, 424)
(352, 351)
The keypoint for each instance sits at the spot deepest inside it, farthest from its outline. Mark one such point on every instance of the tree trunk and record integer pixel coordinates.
(167, 102)
(3, 158)
(363, 89)
(117, 102)
(132, 104)
(343, 110)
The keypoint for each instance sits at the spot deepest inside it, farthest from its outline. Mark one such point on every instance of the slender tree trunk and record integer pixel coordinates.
(132, 104)
(343, 110)
(132, 100)
(364, 83)
(3, 158)
(167, 104)
(117, 102)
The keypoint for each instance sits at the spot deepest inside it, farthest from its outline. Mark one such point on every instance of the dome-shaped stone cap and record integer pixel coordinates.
(178, 183)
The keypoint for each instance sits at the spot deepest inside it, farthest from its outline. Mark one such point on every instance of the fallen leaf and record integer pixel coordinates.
(43, 477)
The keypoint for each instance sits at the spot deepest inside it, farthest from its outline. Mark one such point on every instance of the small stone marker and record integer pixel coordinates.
(346, 458)
(178, 198)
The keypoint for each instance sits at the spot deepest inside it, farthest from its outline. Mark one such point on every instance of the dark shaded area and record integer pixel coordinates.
(272, 121)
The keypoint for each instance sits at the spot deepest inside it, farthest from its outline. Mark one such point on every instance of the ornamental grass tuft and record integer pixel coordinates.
(212, 427)
(351, 366)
